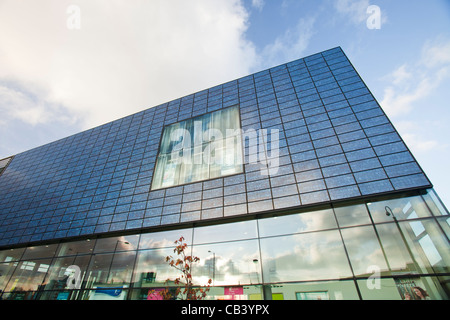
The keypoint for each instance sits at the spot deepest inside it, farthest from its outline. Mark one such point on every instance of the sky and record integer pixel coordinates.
(67, 66)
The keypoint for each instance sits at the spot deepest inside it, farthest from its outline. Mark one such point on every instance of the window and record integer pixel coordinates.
(201, 148)
(4, 163)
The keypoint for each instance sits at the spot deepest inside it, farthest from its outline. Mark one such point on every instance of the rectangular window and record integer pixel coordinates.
(205, 147)
(4, 163)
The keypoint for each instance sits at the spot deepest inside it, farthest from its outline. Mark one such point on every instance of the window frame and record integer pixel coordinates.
(240, 148)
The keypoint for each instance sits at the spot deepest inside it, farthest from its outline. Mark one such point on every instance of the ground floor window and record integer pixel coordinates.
(390, 249)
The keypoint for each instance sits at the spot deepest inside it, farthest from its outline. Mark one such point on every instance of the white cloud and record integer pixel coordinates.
(354, 9)
(401, 75)
(409, 84)
(436, 53)
(419, 135)
(408, 92)
(290, 45)
(127, 56)
(258, 4)
(419, 144)
(26, 105)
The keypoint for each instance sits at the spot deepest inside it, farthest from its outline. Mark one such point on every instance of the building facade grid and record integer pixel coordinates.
(335, 143)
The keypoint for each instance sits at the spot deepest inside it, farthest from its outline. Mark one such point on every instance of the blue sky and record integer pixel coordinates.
(126, 56)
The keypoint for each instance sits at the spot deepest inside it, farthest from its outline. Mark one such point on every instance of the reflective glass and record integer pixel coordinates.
(110, 270)
(414, 246)
(308, 256)
(364, 250)
(403, 208)
(430, 244)
(230, 263)
(151, 268)
(3, 163)
(109, 293)
(122, 243)
(323, 290)
(402, 288)
(122, 268)
(6, 270)
(238, 292)
(200, 148)
(445, 225)
(60, 295)
(164, 239)
(352, 215)
(11, 254)
(434, 203)
(226, 232)
(302, 222)
(76, 248)
(59, 272)
(28, 275)
(40, 251)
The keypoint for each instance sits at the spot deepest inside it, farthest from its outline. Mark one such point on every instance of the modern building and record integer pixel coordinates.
(290, 183)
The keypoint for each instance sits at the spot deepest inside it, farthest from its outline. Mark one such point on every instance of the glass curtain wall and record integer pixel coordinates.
(392, 249)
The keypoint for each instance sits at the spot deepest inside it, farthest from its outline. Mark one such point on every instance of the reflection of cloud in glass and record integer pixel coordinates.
(304, 256)
(164, 239)
(302, 222)
(155, 261)
(363, 249)
(233, 263)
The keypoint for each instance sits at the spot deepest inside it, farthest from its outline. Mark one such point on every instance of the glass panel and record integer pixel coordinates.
(122, 243)
(398, 257)
(323, 290)
(167, 172)
(302, 222)
(215, 293)
(364, 250)
(6, 270)
(230, 263)
(109, 293)
(435, 204)
(225, 232)
(20, 295)
(122, 269)
(97, 274)
(250, 292)
(408, 252)
(28, 275)
(110, 270)
(404, 208)
(11, 254)
(75, 248)
(445, 224)
(152, 270)
(59, 272)
(40, 252)
(201, 148)
(309, 256)
(352, 215)
(164, 239)
(3, 163)
(173, 136)
(60, 295)
(404, 288)
(430, 244)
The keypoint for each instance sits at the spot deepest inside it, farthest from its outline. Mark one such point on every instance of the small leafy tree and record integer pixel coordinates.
(183, 263)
